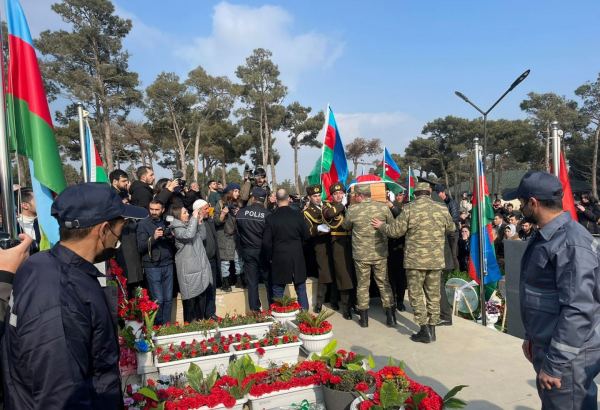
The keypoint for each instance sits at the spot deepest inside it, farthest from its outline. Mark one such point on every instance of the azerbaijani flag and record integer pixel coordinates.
(95, 167)
(412, 181)
(334, 166)
(29, 121)
(390, 173)
(475, 264)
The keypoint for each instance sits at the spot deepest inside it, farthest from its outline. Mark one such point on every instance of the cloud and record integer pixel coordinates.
(238, 29)
(395, 129)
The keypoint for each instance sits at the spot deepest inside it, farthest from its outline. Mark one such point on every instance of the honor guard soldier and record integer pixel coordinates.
(341, 247)
(319, 241)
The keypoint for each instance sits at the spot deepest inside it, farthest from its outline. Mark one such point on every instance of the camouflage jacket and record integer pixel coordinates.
(314, 217)
(334, 215)
(368, 244)
(425, 224)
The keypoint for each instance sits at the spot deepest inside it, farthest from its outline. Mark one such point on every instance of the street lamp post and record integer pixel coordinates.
(485, 113)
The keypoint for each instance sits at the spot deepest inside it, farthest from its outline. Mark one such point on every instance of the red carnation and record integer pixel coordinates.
(260, 351)
(362, 387)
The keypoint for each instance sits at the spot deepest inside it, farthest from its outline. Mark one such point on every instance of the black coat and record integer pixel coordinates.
(285, 232)
(141, 194)
(128, 256)
(589, 217)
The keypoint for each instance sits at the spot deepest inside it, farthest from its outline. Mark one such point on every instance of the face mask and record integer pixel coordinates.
(108, 253)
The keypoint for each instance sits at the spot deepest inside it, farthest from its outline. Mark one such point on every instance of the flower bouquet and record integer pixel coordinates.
(176, 333)
(315, 330)
(395, 390)
(285, 308)
(280, 386)
(493, 310)
(255, 324)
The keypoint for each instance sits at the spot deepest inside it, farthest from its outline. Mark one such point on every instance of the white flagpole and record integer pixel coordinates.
(555, 149)
(84, 164)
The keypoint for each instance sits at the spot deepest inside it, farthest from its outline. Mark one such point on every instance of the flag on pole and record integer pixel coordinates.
(493, 270)
(334, 165)
(95, 167)
(29, 121)
(563, 176)
(410, 185)
(390, 173)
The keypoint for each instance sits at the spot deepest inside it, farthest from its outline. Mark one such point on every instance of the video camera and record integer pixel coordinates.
(167, 230)
(251, 175)
(6, 242)
(178, 176)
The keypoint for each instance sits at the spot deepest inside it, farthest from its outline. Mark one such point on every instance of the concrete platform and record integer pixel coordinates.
(489, 362)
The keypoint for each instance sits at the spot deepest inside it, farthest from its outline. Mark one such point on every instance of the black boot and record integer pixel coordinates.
(422, 336)
(364, 318)
(432, 332)
(317, 308)
(225, 286)
(335, 305)
(238, 282)
(390, 314)
(400, 306)
(347, 314)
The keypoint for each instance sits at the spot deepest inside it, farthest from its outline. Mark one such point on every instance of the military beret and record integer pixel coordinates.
(313, 189)
(336, 187)
(422, 186)
(363, 189)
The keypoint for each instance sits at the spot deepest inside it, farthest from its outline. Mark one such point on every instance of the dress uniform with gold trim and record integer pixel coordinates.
(334, 213)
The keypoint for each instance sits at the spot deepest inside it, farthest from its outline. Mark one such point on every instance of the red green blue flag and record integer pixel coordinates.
(390, 173)
(332, 167)
(29, 121)
(95, 166)
(410, 184)
(475, 263)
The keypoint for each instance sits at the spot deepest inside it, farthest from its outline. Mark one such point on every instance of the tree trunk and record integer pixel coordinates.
(180, 145)
(595, 163)
(196, 153)
(223, 174)
(273, 175)
(262, 139)
(267, 149)
(355, 163)
(547, 164)
(296, 177)
(107, 140)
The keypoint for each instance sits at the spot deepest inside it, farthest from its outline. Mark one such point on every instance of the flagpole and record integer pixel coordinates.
(480, 206)
(9, 218)
(555, 148)
(84, 164)
(383, 164)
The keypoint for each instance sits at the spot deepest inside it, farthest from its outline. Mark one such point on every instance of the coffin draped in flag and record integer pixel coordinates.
(333, 160)
(29, 122)
(475, 263)
(95, 167)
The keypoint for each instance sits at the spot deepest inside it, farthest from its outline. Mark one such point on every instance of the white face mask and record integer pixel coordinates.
(117, 245)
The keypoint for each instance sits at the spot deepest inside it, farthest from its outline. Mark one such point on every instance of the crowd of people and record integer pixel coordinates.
(172, 238)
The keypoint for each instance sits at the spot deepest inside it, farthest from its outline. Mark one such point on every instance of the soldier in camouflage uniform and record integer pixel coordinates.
(334, 213)
(425, 224)
(370, 250)
(319, 241)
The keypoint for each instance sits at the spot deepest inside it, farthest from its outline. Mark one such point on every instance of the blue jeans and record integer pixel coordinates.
(239, 265)
(278, 291)
(160, 285)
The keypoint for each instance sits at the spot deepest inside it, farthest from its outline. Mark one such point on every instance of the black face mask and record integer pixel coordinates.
(108, 253)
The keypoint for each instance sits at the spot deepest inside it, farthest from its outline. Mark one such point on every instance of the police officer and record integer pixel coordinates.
(560, 297)
(369, 250)
(425, 224)
(334, 213)
(251, 227)
(319, 241)
(59, 348)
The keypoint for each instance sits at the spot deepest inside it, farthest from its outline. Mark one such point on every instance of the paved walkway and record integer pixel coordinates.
(489, 362)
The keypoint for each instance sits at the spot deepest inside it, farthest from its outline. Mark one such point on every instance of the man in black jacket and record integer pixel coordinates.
(155, 244)
(141, 190)
(60, 349)
(251, 225)
(285, 233)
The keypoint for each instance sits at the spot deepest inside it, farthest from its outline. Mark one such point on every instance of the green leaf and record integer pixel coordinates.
(354, 366)
(332, 360)
(314, 357)
(391, 361)
(389, 395)
(417, 398)
(454, 403)
(211, 379)
(195, 377)
(160, 406)
(330, 348)
(454, 391)
(371, 362)
(147, 392)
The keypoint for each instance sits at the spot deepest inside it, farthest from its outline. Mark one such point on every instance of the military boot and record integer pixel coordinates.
(422, 336)
(432, 332)
(390, 314)
(225, 285)
(364, 318)
(347, 313)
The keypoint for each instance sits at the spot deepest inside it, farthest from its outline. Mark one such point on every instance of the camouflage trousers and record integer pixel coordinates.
(424, 295)
(363, 277)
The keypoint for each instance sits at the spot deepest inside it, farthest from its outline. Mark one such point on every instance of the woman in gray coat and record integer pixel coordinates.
(193, 267)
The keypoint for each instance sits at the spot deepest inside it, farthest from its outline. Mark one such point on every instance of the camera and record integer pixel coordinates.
(178, 176)
(167, 230)
(6, 242)
(251, 175)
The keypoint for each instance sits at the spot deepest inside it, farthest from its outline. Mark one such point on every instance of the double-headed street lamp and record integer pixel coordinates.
(485, 113)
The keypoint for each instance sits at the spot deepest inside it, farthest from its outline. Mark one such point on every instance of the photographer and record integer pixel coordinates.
(155, 244)
(256, 179)
(193, 267)
(225, 213)
(169, 192)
